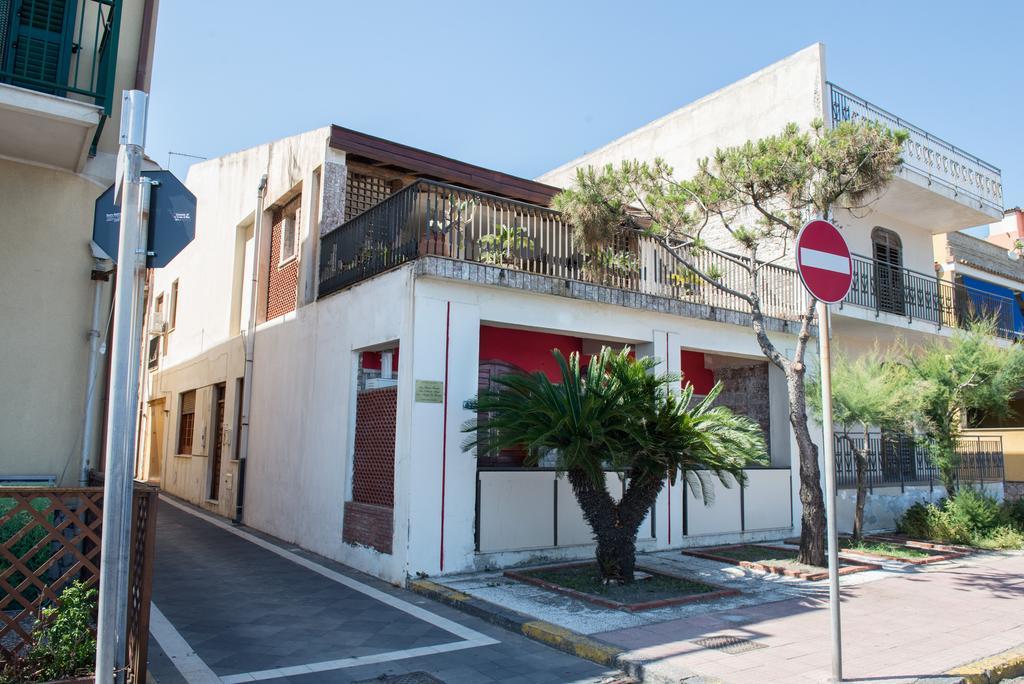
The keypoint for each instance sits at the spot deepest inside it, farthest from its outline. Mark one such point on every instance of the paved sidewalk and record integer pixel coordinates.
(915, 625)
(232, 606)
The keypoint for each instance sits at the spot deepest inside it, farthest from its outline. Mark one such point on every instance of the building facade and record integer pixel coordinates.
(988, 275)
(386, 286)
(63, 66)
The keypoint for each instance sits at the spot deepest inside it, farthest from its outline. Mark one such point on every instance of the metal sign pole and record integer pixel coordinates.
(124, 397)
(824, 353)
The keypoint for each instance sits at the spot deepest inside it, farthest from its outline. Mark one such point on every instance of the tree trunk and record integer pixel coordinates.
(861, 456)
(812, 503)
(615, 525)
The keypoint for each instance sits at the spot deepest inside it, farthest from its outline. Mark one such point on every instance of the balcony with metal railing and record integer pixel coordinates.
(512, 240)
(57, 67)
(931, 162)
(891, 289)
(896, 460)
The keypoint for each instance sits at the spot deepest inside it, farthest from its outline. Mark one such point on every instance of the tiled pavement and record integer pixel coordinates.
(239, 608)
(916, 625)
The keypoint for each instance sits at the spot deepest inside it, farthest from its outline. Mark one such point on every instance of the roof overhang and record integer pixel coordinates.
(398, 157)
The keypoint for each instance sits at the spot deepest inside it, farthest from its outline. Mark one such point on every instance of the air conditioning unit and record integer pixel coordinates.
(157, 324)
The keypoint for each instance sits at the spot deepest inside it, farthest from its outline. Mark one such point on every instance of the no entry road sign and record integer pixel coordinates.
(823, 260)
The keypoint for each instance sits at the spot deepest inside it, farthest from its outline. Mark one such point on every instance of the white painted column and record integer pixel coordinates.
(665, 346)
(442, 478)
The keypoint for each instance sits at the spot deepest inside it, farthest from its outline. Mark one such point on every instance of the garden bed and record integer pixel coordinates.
(892, 548)
(652, 589)
(924, 544)
(775, 560)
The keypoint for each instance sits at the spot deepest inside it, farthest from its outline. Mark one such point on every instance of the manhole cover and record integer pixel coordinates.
(407, 678)
(729, 644)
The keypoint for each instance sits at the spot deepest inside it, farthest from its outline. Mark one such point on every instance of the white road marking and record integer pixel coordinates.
(189, 664)
(824, 260)
(195, 671)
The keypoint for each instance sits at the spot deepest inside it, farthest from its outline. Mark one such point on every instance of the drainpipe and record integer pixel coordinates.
(101, 270)
(250, 344)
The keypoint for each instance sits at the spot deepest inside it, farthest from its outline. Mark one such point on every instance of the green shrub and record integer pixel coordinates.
(974, 511)
(970, 517)
(63, 645)
(1002, 537)
(1013, 513)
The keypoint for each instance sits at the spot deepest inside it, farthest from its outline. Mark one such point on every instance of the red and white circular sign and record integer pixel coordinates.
(823, 260)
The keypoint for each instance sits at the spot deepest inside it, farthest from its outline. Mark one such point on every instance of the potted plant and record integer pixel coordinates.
(455, 215)
(504, 246)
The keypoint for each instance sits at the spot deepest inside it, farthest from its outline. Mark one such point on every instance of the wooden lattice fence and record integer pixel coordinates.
(51, 537)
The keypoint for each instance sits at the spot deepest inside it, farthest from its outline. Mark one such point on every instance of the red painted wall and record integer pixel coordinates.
(694, 372)
(527, 349)
(371, 361)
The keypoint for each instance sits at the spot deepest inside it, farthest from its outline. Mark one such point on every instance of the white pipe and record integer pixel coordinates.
(91, 402)
(250, 347)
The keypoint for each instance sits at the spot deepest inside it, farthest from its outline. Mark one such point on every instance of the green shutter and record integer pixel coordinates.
(39, 44)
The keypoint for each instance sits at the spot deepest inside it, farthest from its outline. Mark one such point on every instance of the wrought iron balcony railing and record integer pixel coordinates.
(932, 157)
(897, 290)
(900, 460)
(66, 48)
(429, 218)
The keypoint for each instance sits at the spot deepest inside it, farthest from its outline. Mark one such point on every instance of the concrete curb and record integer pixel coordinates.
(545, 632)
(985, 671)
(566, 640)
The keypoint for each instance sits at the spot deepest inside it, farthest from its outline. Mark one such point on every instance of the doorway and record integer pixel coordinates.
(154, 467)
(216, 457)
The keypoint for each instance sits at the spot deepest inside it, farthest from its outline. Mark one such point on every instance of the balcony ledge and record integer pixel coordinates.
(46, 129)
(496, 276)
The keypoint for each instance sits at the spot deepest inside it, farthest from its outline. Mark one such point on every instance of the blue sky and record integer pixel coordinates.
(525, 86)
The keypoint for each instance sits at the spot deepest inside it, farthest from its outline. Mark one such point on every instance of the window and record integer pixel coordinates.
(887, 250)
(186, 422)
(158, 309)
(288, 239)
(173, 317)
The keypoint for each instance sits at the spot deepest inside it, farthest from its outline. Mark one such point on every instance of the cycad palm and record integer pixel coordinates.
(616, 415)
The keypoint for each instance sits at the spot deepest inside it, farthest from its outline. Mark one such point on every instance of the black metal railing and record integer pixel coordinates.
(901, 291)
(430, 218)
(900, 460)
(932, 157)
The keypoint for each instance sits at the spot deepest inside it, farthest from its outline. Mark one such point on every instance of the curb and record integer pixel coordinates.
(545, 632)
(985, 671)
(556, 637)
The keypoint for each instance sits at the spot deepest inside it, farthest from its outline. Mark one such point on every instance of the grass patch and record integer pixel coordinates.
(757, 554)
(587, 579)
(884, 549)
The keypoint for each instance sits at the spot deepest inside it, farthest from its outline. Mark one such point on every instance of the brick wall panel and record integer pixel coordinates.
(282, 281)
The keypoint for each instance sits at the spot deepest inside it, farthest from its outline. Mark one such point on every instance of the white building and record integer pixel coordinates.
(392, 282)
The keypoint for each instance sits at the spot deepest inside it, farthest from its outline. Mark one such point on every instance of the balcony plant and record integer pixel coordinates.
(616, 415)
(454, 217)
(504, 246)
(753, 198)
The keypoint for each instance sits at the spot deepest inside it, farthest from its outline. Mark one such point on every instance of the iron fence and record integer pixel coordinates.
(901, 291)
(430, 218)
(900, 460)
(926, 154)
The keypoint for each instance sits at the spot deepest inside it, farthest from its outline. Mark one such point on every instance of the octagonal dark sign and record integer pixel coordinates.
(172, 219)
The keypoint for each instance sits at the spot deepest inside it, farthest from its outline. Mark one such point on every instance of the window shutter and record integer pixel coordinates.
(39, 43)
(188, 402)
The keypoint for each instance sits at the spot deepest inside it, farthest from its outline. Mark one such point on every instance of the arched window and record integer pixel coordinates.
(887, 250)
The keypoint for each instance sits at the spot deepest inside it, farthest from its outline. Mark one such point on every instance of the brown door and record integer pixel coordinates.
(218, 442)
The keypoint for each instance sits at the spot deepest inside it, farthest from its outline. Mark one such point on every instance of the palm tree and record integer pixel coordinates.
(616, 415)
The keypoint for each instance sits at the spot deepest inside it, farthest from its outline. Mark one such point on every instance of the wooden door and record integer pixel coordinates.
(218, 442)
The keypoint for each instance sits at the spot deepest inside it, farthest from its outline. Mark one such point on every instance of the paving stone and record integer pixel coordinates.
(243, 609)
